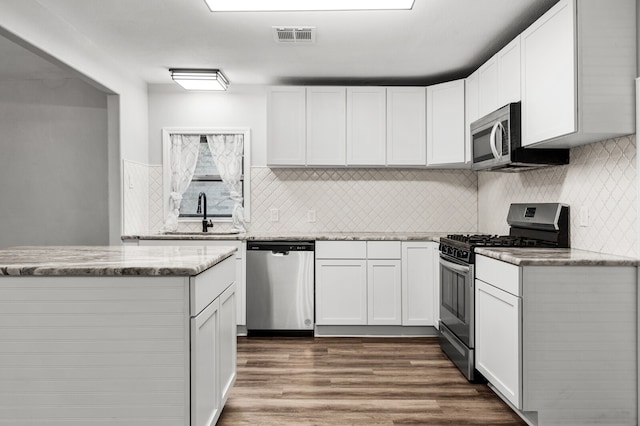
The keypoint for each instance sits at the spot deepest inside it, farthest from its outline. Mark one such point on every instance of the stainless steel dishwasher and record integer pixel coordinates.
(280, 287)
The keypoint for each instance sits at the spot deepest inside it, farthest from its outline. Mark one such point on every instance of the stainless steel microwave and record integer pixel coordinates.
(496, 144)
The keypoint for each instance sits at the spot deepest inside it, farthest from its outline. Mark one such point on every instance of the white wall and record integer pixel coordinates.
(53, 163)
(240, 106)
(30, 24)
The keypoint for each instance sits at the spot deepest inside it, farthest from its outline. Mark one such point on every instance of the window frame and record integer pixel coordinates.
(166, 166)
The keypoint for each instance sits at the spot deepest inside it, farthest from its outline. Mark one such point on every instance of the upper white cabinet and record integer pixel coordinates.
(366, 126)
(286, 114)
(445, 124)
(326, 126)
(508, 60)
(578, 65)
(472, 113)
(488, 87)
(406, 141)
(498, 80)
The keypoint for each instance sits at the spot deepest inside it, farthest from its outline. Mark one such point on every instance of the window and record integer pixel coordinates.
(206, 177)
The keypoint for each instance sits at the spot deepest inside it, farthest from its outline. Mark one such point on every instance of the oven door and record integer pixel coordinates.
(457, 299)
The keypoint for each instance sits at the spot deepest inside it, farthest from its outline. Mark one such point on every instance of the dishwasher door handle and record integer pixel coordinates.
(279, 253)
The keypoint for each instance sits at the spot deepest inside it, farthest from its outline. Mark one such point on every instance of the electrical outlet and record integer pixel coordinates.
(584, 216)
(274, 215)
(311, 216)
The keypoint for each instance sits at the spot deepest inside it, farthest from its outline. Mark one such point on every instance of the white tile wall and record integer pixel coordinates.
(136, 188)
(601, 177)
(156, 208)
(360, 200)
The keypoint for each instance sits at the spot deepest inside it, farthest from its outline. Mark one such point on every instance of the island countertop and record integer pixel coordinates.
(528, 256)
(110, 260)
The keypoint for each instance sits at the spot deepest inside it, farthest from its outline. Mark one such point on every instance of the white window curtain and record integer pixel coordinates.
(184, 156)
(227, 151)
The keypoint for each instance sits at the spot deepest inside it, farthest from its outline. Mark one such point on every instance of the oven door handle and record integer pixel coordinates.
(455, 267)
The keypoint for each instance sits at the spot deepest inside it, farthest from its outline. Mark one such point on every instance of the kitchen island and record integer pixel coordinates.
(116, 335)
(556, 333)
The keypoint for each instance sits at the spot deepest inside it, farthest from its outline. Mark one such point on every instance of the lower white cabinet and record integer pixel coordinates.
(376, 283)
(384, 290)
(559, 342)
(498, 339)
(228, 341)
(341, 291)
(205, 383)
(419, 298)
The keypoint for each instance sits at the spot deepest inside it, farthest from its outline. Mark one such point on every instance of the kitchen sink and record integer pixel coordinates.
(226, 232)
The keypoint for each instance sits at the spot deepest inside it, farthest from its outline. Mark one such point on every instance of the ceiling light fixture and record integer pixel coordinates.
(305, 5)
(198, 79)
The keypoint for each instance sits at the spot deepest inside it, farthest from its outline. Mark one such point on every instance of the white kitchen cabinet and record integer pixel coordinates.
(286, 127)
(535, 342)
(341, 292)
(578, 68)
(326, 126)
(384, 291)
(508, 60)
(445, 124)
(358, 283)
(406, 120)
(418, 283)
(498, 339)
(366, 126)
(488, 87)
(472, 113)
(241, 267)
(205, 386)
(228, 341)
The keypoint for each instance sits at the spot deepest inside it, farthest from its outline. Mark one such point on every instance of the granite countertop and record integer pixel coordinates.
(110, 260)
(320, 236)
(555, 257)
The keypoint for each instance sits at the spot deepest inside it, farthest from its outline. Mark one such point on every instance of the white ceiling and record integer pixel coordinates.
(437, 40)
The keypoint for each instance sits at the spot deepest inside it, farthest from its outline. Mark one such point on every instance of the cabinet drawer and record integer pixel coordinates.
(384, 249)
(341, 249)
(204, 288)
(499, 274)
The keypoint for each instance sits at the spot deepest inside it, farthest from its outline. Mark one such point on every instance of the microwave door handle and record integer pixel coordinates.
(492, 140)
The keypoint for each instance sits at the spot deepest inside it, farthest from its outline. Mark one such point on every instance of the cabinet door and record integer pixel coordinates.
(488, 87)
(471, 110)
(445, 123)
(549, 75)
(417, 284)
(366, 126)
(205, 384)
(326, 126)
(341, 292)
(406, 120)
(286, 108)
(509, 73)
(384, 290)
(228, 341)
(498, 340)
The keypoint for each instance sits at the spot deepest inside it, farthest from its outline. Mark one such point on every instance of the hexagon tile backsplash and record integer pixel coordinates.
(600, 181)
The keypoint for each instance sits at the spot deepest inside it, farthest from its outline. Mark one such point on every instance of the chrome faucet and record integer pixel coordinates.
(205, 225)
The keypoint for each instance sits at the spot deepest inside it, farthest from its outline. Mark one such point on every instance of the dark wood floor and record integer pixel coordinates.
(342, 381)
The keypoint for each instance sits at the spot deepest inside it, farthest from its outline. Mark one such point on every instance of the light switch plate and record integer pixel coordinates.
(311, 216)
(584, 216)
(274, 215)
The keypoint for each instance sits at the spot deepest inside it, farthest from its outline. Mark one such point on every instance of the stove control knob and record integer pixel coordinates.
(464, 254)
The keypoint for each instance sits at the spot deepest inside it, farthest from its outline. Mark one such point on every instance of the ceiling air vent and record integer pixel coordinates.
(294, 34)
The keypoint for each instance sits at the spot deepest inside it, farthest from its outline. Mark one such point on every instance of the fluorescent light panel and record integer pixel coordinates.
(200, 79)
(305, 5)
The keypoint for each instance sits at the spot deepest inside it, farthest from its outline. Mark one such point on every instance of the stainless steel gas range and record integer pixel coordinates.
(531, 225)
